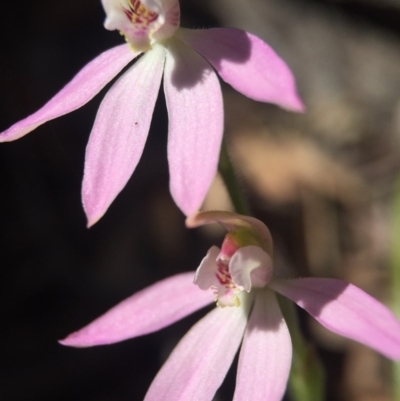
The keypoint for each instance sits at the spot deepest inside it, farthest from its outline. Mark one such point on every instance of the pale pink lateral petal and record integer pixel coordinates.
(171, 14)
(205, 276)
(83, 87)
(346, 310)
(195, 113)
(247, 63)
(198, 364)
(266, 353)
(116, 18)
(119, 133)
(250, 266)
(147, 311)
(168, 16)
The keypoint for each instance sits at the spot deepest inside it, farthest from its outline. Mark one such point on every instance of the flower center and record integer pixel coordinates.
(223, 275)
(139, 15)
(226, 293)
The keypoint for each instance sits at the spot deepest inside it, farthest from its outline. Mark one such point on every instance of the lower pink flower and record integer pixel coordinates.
(240, 275)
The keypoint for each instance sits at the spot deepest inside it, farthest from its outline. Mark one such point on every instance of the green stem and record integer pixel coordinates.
(395, 277)
(307, 377)
(228, 174)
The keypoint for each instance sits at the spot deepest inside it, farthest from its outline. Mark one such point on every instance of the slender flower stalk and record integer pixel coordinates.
(307, 374)
(395, 277)
(240, 277)
(187, 62)
(226, 169)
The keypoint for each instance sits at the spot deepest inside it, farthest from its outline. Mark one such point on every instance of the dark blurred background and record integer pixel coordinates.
(322, 181)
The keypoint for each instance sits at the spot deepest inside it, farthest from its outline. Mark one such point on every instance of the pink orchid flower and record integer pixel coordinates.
(243, 283)
(187, 60)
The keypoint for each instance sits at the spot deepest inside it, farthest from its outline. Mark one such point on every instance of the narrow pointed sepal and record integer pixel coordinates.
(346, 310)
(119, 133)
(247, 63)
(83, 87)
(195, 113)
(149, 310)
(198, 364)
(266, 353)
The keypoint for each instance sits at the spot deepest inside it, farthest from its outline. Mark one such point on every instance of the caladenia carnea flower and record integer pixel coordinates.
(186, 60)
(240, 277)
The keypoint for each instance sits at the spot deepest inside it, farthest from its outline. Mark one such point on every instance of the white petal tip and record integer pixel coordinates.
(91, 222)
(75, 340)
(92, 218)
(297, 106)
(291, 103)
(68, 342)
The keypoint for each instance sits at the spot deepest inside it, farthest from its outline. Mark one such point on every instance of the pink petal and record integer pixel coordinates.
(195, 113)
(119, 133)
(266, 353)
(247, 63)
(147, 311)
(198, 364)
(346, 310)
(83, 87)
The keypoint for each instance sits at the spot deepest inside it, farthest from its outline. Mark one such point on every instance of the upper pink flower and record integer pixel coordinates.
(142, 22)
(240, 275)
(192, 91)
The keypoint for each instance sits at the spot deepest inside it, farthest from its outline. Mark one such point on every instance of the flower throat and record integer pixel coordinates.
(139, 15)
